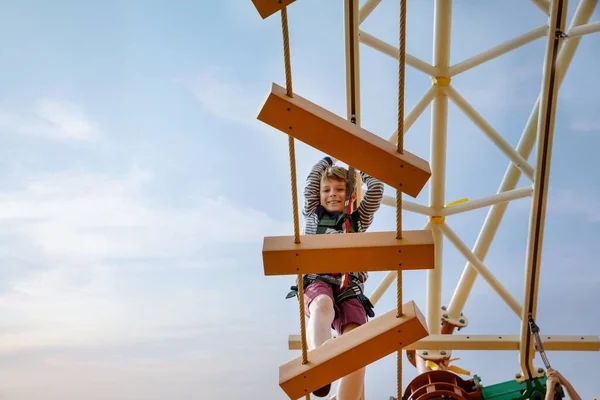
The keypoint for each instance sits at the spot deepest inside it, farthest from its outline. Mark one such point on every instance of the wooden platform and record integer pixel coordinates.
(364, 251)
(266, 8)
(341, 139)
(356, 349)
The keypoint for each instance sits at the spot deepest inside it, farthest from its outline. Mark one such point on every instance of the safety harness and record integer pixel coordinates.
(352, 290)
(335, 221)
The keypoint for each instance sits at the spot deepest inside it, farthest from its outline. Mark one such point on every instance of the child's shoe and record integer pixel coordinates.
(324, 391)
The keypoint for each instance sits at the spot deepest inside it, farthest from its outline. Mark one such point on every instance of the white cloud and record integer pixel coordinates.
(89, 215)
(51, 119)
(224, 96)
(582, 203)
(586, 125)
(88, 230)
(69, 308)
(104, 376)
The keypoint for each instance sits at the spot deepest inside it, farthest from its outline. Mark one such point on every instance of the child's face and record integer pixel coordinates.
(333, 195)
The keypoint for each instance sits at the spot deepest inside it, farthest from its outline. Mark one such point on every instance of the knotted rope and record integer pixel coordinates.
(400, 146)
(292, 151)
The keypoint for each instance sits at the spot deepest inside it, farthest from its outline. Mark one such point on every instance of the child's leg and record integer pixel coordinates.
(318, 305)
(352, 315)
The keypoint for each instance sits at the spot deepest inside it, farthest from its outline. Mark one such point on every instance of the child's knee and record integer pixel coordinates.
(322, 304)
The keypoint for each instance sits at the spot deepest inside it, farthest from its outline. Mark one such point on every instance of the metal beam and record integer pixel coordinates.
(499, 50)
(490, 342)
(416, 111)
(491, 133)
(392, 51)
(499, 198)
(366, 9)
(352, 61)
(583, 30)
(545, 136)
(408, 205)
(439, 126)
(351, 22)
(481, 268)
(543, 5)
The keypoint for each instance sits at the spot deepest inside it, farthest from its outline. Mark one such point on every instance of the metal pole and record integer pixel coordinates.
(416, 112)
(542, 5)
(392, 51)
(486, 235)
(351, 21)
(353, 73)
(481, 268)
(488, 201)
(352, 62)
(491, 133)
(583, 30)
(499, 50)
(439, 118)
(549, 92)
(367, 9)
(408, 205)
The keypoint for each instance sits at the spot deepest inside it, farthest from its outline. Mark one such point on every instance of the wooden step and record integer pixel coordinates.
(356, 349)
(361, 251)
(267, 8)
(341, 139)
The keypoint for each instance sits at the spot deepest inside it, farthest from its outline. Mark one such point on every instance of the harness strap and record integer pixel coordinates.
(352, 290)
(343, 221)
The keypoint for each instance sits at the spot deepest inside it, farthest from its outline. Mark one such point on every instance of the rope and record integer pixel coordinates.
(399, 379)
(286, 52)
(292, 151)
(400, 145)
(289, 92)
(400, 136)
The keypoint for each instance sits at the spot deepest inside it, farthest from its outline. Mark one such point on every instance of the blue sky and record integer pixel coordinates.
(136, 186)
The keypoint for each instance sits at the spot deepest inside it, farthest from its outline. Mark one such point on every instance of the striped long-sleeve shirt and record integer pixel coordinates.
(363, 214)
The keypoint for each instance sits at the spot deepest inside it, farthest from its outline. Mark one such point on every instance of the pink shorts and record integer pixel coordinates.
(350, 311)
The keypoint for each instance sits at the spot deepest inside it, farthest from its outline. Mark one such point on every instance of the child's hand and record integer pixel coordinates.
(554, 378)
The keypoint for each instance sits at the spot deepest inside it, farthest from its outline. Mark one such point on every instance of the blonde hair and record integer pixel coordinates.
(339, 174)
(335, 173)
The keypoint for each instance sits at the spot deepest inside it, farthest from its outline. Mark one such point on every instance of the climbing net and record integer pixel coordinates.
(561, 44)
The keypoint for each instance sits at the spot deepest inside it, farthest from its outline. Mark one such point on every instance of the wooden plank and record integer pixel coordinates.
(356, 349)
(490, 342)
(364, 251)
(266, 8)
(341, 139)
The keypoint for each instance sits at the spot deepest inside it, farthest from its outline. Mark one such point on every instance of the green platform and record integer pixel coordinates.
(534, 389)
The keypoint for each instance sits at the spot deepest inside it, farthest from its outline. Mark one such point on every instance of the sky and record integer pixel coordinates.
(136, 187)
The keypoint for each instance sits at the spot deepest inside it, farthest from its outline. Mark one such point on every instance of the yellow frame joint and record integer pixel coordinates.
(441, 81)
(436, 219)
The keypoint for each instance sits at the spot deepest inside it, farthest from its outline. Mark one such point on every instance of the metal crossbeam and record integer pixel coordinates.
(491, 342)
